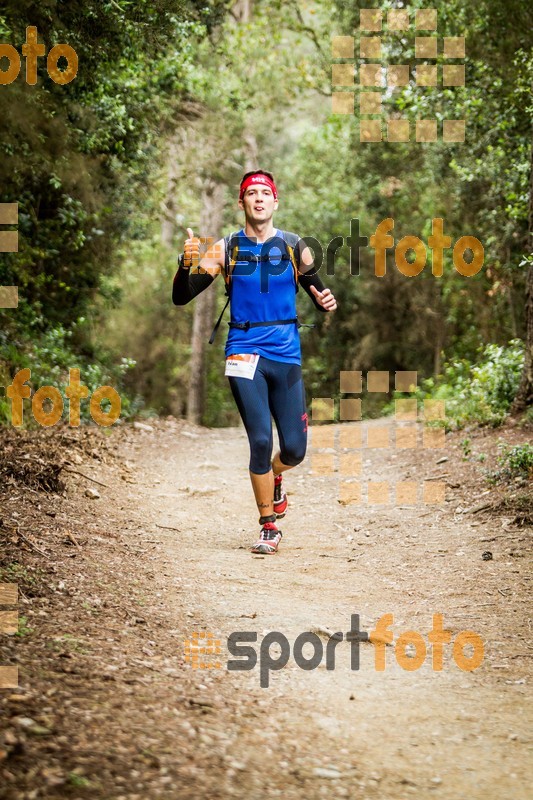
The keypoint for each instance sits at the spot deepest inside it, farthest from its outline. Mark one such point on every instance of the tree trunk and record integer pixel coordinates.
(524, 395)
(242, 10)
(168, 222)
(509, 290)
(440, 328)
(204, 305)
(250, 151)
(211, 225)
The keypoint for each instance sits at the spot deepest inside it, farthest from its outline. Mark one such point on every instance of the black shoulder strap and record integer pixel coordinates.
(291, 239)
(293, 250)
(217, 326)
(231, 249)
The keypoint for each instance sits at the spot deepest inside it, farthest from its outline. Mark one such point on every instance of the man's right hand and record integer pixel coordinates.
(191, 250)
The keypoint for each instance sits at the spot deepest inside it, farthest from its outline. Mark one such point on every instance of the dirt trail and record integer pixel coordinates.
(119, 714)
(345, 733)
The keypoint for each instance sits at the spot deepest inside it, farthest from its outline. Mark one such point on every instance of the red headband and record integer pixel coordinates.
(264, 180)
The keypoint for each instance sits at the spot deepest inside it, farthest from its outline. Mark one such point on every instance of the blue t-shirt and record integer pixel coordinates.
(260, 292)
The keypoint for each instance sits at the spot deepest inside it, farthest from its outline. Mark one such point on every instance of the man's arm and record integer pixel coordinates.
(311, 283)
(187, 285)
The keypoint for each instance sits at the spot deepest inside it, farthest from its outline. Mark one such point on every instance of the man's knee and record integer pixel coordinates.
(261, 452)
(293, 453)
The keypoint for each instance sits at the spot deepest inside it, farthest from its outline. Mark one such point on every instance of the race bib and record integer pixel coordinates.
(242, 365)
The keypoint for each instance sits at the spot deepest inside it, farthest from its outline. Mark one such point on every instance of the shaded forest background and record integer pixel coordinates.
(172, 102)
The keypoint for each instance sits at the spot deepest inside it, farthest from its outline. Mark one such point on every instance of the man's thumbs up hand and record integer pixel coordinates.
(325, 299)
(191, 250)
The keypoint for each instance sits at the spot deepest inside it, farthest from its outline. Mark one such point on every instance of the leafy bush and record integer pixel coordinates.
(480, 393)
(516, 461)
(50, 355)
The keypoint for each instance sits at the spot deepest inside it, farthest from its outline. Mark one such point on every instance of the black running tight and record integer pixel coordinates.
(276, 389)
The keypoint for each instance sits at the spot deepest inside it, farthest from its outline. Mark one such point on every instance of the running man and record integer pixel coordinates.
(263, 356)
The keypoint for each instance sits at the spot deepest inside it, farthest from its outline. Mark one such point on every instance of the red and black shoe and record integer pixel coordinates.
(269, 539)
(280, 498)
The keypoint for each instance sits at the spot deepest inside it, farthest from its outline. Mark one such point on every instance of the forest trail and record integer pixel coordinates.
(343, 733)
(164, 553)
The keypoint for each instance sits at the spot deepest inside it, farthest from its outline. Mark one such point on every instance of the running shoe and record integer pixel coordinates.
(268, 541)
(280, 498)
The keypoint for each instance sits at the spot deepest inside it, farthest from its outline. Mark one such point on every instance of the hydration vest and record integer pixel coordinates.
(231, 256)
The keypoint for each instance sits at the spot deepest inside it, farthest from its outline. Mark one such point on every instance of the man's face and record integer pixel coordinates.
(258, 203)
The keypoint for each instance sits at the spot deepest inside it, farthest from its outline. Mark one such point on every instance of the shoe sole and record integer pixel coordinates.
(264, 551)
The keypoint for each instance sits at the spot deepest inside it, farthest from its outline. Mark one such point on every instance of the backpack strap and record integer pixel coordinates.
(219, 320)
(292, 242)
(231, 251)
(231, 256)
(293, 251)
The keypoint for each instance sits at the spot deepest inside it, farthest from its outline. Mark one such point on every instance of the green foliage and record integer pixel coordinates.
(220, 410)
(23, 628)
(87, 163)
(147, 330)
(527, 418)
(481, 393)
(50, 356)
(18, 573)
(79, 781)
(466, 446)
(480, 188)
(76, 158)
